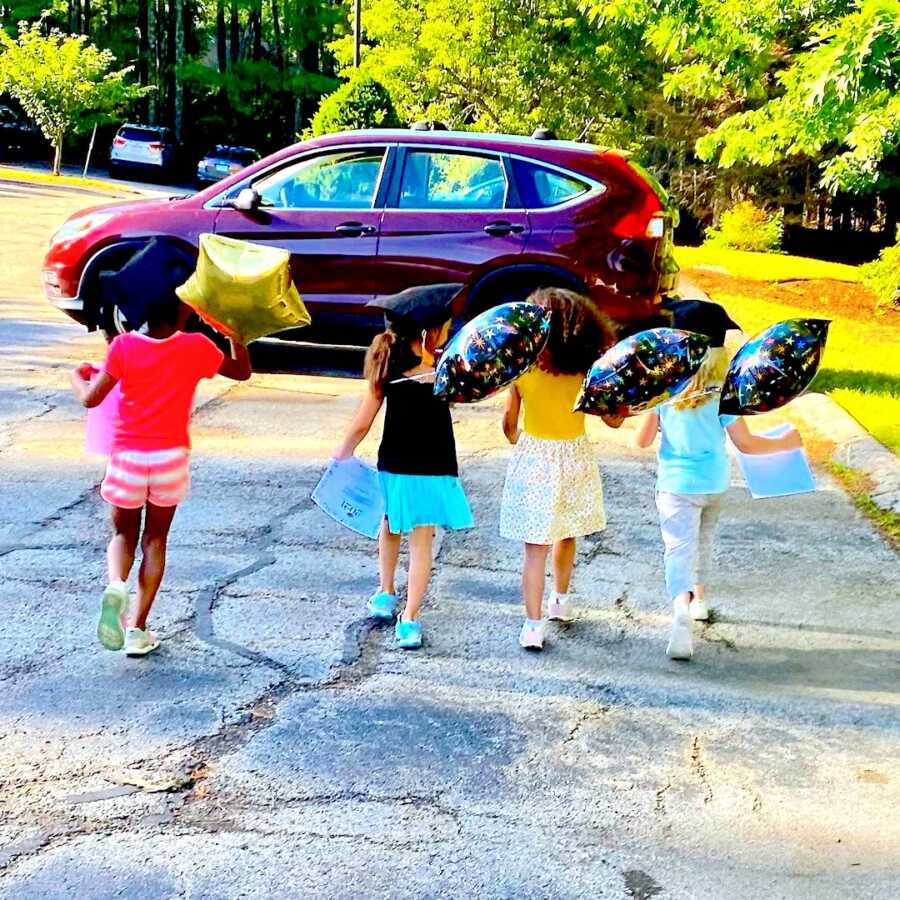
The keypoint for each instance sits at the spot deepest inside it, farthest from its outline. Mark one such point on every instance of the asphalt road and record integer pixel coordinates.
(279, 746)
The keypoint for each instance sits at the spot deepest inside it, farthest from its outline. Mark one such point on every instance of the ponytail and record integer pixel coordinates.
(378, 360)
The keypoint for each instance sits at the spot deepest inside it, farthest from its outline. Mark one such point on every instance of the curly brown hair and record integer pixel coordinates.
(579, 332)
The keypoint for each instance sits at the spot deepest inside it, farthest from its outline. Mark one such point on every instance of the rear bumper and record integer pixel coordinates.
(74, 308)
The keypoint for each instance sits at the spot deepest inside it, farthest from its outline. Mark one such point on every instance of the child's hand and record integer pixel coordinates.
(613, 421)
(342, 453)
(85, 371)
(792, 440)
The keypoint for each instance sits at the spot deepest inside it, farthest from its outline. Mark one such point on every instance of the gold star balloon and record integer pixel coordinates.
(243, 290)
(774, 367)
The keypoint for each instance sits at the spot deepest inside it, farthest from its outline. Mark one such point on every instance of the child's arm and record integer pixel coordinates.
(236, 366)
(88, 394)
(360, 425)
(647, 430)
(750, 443)
(511, 415)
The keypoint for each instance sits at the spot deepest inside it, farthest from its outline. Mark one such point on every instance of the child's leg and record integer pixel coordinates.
(533, 574)
(122, 546)
(679, 521)
(153, 564)
(709, 519)
(420, 543)
(563, 563)
(388, 554)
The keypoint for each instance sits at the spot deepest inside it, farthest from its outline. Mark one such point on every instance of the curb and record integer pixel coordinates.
(854, 448)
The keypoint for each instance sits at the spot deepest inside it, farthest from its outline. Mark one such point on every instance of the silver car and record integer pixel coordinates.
(142, 149)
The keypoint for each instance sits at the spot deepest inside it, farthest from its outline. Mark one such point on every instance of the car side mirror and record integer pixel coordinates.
(248, 200)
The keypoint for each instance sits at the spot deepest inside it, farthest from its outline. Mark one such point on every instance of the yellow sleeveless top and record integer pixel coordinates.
(548, 401)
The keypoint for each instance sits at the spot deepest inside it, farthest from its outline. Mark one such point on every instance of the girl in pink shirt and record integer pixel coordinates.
(147, 475)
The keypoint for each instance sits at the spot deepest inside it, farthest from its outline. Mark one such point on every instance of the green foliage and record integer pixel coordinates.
(882, 276)
(842, 92)
(748, 227)
(361, 102)
(63, 83)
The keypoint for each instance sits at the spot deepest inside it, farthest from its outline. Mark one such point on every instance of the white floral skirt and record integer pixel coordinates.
(552, 491)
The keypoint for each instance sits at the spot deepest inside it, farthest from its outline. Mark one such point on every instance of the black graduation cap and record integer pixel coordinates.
(702, 317)
(418, 308)
(150, 276)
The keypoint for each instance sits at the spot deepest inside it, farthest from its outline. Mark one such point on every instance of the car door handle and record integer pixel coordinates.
(354, 229)
(499, 229)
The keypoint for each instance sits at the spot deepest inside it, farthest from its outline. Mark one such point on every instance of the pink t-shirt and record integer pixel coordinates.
(158, 380)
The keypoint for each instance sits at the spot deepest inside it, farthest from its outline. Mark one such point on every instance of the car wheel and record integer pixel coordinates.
(113, 170)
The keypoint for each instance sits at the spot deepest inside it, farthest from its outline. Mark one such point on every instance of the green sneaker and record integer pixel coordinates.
(109, 626)
(139, 642)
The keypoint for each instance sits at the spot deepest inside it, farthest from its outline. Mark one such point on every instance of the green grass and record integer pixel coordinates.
(856, 484)
(8, 173)
(763, 266)
(861, 367)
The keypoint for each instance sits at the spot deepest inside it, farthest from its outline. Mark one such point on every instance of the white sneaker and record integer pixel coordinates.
(560, 608)
(699, 610)
(532, 636)
(139, 642)
(681, 637)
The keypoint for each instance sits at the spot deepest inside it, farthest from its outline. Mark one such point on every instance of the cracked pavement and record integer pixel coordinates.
(279, 746)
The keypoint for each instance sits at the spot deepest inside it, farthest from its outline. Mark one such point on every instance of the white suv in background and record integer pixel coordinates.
(143, 149)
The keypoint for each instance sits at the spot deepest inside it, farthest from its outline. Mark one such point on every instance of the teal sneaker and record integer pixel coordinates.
(382, 605)
(110, 632)
(408, 635)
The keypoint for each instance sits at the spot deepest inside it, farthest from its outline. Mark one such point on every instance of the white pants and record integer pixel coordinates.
(688, 524)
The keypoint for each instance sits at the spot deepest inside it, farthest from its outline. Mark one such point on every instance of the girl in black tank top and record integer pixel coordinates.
(417, 464)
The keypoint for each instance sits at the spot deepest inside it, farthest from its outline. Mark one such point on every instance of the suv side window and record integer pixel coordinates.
(542, 188)
(444, 180)
(344, 180)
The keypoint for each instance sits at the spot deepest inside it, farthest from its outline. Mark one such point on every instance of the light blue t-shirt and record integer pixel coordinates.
(692, 456)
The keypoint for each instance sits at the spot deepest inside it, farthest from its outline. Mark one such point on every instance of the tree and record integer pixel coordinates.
(839, 103)
(359, 103)
(63, 83)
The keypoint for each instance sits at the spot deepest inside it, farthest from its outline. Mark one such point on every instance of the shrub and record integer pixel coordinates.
(748, 227)
(362, 102)
(882, 276)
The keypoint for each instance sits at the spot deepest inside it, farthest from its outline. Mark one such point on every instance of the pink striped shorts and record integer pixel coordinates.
(136, 477)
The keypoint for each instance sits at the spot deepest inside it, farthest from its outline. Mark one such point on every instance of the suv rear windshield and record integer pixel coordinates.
(237, 154)
(150, 135)
(541, 188)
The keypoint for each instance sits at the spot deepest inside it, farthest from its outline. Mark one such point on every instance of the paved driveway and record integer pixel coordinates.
(279, 746)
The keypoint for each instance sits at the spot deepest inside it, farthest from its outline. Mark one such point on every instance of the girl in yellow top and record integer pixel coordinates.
(553, 493)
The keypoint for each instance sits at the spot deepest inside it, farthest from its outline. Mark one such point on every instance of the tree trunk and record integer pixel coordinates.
(276, 28)
(256, 22)
(178, 93)
(235, 33)
(152, 62)
(221, 36)
(57, 153)
(86, 16)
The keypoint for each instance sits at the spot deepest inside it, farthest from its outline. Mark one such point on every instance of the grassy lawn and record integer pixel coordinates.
(861, 367)
(8, 173)
(764, 266)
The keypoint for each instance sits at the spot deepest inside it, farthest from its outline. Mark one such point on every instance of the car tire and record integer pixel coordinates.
(114, 171)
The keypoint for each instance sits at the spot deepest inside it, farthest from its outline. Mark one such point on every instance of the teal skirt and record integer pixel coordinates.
(411, 501)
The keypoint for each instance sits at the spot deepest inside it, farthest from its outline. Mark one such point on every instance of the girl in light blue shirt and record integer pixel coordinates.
(694, 473)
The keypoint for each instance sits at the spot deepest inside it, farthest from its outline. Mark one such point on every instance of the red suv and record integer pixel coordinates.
(368, 213)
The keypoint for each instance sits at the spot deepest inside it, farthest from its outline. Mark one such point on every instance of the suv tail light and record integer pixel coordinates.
(155, 147)
(656, 227)
(119, 141)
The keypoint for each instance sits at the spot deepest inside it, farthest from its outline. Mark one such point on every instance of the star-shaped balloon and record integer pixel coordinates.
(642, 371)
(492, 351)
(774, 367)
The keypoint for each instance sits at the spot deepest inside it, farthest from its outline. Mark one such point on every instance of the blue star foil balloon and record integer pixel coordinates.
(641, 371)
(491, 351)
(773, 367)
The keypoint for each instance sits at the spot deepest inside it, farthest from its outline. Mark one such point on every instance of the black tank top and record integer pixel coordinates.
(418, 431)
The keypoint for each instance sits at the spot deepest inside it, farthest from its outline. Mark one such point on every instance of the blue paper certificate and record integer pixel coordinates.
(350, 493)
(777, 474)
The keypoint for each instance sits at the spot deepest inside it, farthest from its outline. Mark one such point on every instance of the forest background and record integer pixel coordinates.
(792, 104)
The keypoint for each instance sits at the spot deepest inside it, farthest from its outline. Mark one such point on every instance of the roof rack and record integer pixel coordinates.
(428, 126)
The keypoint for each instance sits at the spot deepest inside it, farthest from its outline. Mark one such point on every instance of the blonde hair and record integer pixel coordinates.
(702, 387)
